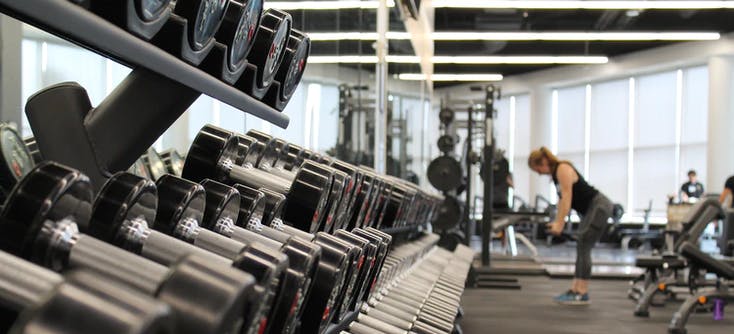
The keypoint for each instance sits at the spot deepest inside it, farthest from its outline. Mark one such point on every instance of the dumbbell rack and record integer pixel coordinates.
(133, 128)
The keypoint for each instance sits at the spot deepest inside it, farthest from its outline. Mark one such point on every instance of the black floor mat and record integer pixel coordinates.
(531, 310)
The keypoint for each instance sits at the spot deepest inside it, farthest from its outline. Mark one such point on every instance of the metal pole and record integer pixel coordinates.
(469, 176)
(488, 174)
(383, 20)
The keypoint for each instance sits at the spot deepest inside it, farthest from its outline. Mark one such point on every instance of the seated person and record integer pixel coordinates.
(692, 188)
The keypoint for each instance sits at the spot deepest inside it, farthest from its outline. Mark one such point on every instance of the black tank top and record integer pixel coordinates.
(582, 191)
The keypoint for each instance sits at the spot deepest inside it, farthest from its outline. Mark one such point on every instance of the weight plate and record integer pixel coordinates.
(16, 159)
(178, 199)
(222, 207)
(154, 163)
(446, 143)
(269, 45)
(50, 192)
(444, 173)
(239, 26)
(123, 197)
(294, 63)
(210, 141)
(204, 18)
(449, 214)
(446, 115)
(150, 10)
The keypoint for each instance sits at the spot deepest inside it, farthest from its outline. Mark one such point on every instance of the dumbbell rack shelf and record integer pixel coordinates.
(79, 26)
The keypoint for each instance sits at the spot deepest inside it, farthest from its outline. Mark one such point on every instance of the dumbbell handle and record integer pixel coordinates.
(127, 267)
(256, 178)
(22, 283)
(164, 249)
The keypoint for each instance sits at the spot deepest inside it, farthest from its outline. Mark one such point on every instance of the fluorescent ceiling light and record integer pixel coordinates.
(358, 36)
(583, 4)
(325, 5)
(342, 59)
(463, 59)
(520, 60)
(573, 36)
(451, 77)
(524, 36)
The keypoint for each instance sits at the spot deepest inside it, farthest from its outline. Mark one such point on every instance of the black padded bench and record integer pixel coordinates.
(660, 262)
(702, 260)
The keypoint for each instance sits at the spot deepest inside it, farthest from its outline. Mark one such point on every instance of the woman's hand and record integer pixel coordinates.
(555, 228)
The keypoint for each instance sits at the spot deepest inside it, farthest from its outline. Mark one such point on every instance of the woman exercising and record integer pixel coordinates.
(593, 207)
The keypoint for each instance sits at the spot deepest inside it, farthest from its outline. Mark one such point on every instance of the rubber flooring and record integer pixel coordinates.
(531, 310)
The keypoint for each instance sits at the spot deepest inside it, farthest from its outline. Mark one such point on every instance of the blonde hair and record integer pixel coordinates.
(536, 158)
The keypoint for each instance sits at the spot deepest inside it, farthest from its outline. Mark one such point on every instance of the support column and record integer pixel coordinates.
(541, 119)
(11, 37)
(720, 160)
(383, 20)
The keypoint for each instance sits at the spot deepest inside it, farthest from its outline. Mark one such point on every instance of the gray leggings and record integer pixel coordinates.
(591, 228)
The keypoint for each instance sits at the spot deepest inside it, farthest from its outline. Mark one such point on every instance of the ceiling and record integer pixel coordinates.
(504, 20)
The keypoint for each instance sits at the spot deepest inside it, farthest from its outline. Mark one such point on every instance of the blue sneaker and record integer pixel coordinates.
(572, 298)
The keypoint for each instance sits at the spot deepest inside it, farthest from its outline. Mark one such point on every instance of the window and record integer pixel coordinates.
(521, 146)
(694, 122)
(638, 135)
(609, 139)
(572, 125)
(655, 140)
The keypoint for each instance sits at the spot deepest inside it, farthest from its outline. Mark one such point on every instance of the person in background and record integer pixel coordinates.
(692, 188)
(728, 192)
(594, 208)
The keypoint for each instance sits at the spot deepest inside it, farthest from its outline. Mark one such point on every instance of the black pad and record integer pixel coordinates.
(657, 262)
(705, 261)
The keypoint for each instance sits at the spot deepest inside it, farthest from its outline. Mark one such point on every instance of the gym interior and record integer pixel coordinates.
(366, 166)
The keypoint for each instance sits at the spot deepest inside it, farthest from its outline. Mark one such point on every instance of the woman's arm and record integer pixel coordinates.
(566, 177)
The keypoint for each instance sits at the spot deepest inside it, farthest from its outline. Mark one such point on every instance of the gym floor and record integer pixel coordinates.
(532, 310)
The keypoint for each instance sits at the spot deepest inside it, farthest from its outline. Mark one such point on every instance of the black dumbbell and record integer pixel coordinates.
(122, 213)
(32, 297)
(383, 241)
(173, 160)
(267, 53)
(40, 222)
(284, 156)
(142, 18)
(234, 40)
(213, 154)
(189, 33)
(339, 180)
(180, 213)
(302, 258)
(291, 70)
(342, 243)
(327, 283)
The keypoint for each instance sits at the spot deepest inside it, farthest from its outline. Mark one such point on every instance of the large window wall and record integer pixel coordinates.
(512, 134)
(635, 138)
(313, 109)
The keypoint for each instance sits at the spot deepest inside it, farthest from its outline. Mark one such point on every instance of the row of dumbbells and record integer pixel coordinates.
(254, 50)
(421, 291)
(334, 194)
(298, 275)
